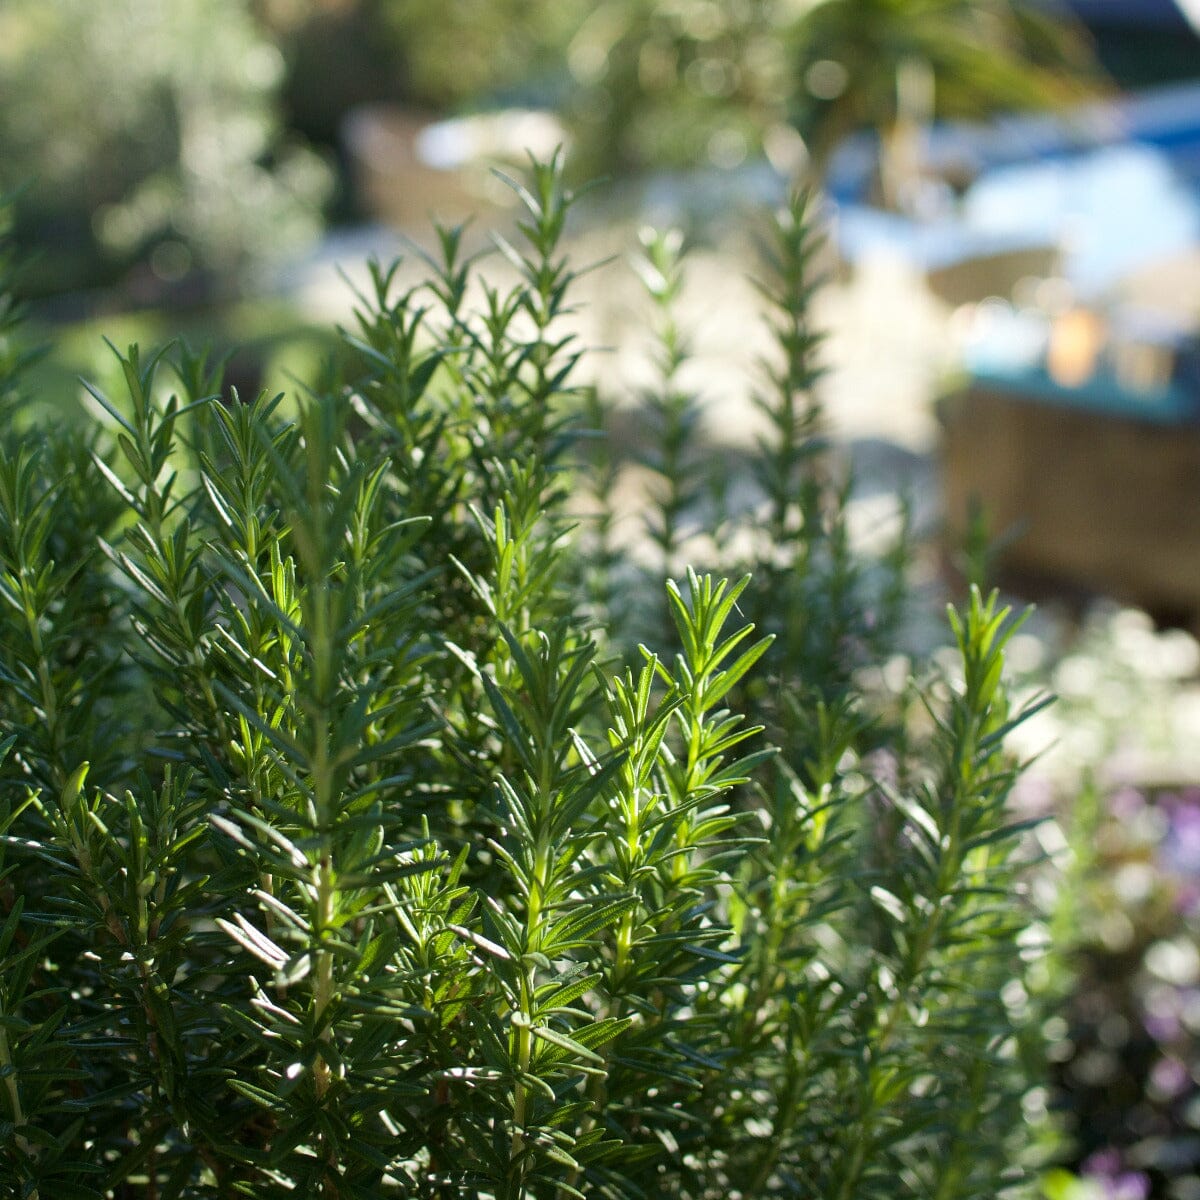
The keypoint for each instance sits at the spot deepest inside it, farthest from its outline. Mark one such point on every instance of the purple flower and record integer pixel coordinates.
(1129, 1185)
(1169, 1078)
(1105, 1168)
(1181, 847)
(1103, 1163)
(1162, 1026)
(1126, 803)
(1186, 900)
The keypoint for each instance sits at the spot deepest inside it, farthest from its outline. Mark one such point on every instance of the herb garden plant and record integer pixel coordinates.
(352, 847)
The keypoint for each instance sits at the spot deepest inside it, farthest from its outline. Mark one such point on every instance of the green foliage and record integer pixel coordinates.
(343, 855)
(882, 64)
(717, 81)
(160, 142)
(645, 84)
(456, 53)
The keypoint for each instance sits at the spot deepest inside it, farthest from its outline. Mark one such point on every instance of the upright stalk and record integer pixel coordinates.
(13, 1091)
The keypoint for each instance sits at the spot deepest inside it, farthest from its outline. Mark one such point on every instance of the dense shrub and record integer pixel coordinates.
(350, 849)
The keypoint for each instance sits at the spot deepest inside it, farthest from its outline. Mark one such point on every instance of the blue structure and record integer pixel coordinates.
(1159, 14)
(1115, 183)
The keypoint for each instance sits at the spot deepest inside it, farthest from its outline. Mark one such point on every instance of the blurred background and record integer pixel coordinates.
(1011, 197)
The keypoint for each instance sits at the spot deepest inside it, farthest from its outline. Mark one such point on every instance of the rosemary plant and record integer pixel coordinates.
(337, 859)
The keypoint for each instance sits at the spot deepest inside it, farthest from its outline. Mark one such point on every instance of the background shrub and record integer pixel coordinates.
(159, 143)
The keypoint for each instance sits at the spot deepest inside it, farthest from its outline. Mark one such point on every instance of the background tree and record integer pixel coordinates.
(893, 65)
(144, 131)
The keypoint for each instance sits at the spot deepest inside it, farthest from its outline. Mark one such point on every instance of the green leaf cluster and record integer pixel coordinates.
(344, 853)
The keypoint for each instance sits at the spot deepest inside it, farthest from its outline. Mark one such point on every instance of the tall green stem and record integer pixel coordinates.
(13, 1090)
